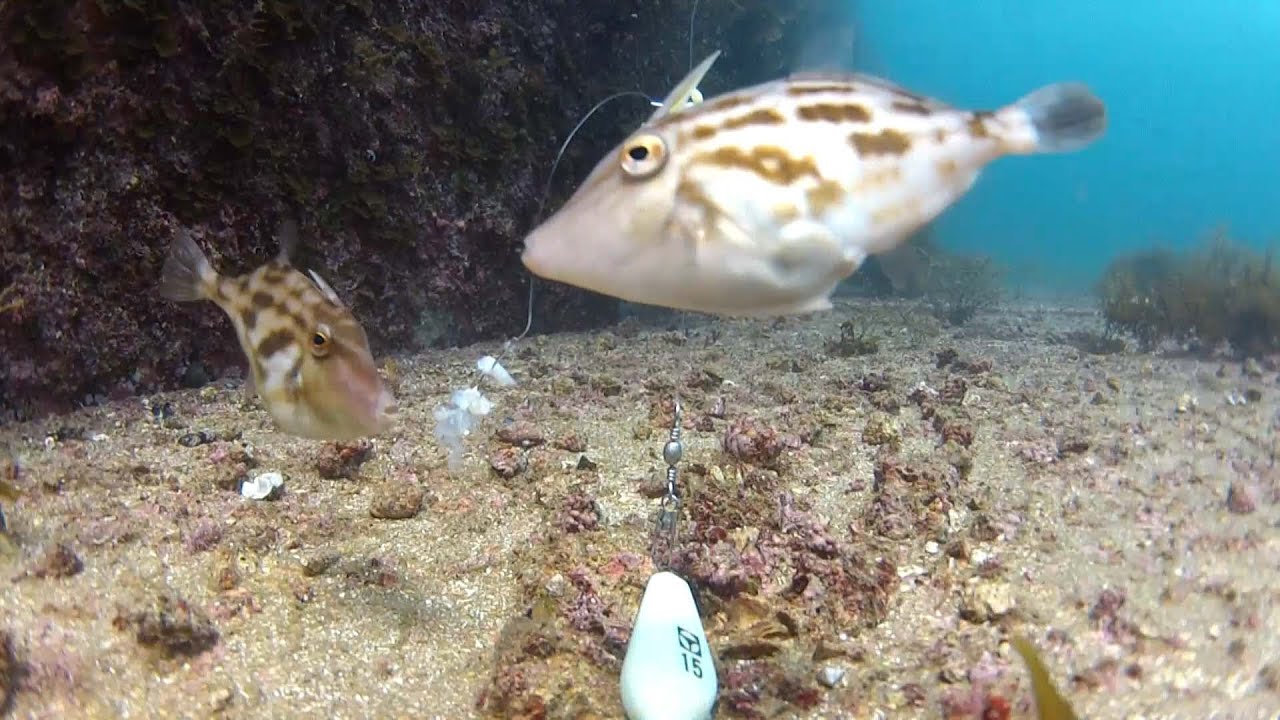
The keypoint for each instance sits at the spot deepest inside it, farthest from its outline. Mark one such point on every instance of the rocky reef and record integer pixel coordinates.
(411, 141)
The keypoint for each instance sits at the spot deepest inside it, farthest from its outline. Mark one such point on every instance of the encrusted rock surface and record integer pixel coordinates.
(412, 141)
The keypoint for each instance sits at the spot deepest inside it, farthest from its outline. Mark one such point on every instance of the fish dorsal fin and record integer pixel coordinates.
(863, 80)
(830, 75)
(288, 237)
(685, 89)
(325, 289)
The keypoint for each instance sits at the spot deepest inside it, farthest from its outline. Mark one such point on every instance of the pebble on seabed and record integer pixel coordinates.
(830, 675)
(264, 486)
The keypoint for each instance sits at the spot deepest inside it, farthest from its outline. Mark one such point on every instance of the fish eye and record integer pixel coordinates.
(320, 343)
(643, 155)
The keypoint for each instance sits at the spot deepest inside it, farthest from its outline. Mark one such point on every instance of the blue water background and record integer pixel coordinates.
(1193, 89)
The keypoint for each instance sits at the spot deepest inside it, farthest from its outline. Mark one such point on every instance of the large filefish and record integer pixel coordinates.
(759, 201)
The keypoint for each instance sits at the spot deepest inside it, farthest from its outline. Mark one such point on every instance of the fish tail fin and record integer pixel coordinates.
(187, 274)
(287, 234)
(1063, 117)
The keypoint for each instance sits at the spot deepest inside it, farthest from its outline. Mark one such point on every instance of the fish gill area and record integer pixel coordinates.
(874, 500)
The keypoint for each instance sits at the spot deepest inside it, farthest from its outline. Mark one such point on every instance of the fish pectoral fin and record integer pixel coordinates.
(808, 251)
(697, 228)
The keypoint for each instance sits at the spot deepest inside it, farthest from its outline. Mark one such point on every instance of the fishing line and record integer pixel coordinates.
(555, 164)
(455, 420)
(546, 190)
(669, 669)
(546, 193)
(693, 14)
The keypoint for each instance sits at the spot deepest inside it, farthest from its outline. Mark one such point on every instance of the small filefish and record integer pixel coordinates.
(1050, 705)
(309, 358)
(759, 201)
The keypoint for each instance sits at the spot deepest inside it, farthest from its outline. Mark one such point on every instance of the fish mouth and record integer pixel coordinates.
(387, 406)
(534, 261)
(552, 254)
(370, 414)
(384, 411)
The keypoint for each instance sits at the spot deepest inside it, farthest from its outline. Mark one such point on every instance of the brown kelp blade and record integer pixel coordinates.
(1050, 705)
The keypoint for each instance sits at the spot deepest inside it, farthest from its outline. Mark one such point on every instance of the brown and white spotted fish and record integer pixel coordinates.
(309, 358)
(759, 201)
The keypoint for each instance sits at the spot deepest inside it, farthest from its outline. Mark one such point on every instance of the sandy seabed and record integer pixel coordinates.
(865, 532)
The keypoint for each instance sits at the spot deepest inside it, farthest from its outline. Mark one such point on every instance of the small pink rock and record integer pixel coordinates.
(508, 462)
(521, 434)
(1241, 499)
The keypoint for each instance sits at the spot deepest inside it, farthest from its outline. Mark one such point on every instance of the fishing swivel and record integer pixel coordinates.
(668, 672)
(666, 528)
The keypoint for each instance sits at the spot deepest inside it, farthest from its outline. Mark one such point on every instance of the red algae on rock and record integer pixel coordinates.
(171, 624)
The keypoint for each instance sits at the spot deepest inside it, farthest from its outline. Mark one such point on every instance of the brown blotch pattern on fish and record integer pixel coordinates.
(274, 272)
(769, 162)
(978, 125)
(834, 112)
(911, 107)
(282, 317)
(274, 343)
(262, 300)
(940, 135)
(691, 193)
(294, 305)
(785, 211)
(885, 142)
(703, 132)
(300, 284)
(824, 196)
(766, 116)
(249, 317)
(874, 179)
(728, 102)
